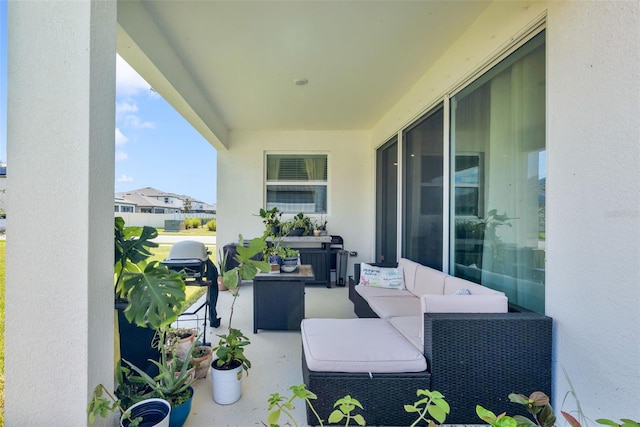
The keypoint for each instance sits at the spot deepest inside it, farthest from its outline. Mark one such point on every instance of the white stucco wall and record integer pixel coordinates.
(350, 183)
(593, 197)
(59, 271)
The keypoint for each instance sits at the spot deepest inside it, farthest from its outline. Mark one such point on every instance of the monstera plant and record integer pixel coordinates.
(154, 295)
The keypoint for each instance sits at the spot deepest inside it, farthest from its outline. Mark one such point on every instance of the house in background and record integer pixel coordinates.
(150, 200)
(123, 205)
(403, 123)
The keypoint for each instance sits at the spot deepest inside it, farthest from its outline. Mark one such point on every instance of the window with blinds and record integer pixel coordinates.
(297, 183)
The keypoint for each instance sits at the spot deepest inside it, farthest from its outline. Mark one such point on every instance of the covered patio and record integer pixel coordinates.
(372, 68)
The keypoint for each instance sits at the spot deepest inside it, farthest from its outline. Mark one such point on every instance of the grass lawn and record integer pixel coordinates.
(202, 231)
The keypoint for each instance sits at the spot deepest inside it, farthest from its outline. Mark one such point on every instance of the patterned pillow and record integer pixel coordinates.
(381, 277)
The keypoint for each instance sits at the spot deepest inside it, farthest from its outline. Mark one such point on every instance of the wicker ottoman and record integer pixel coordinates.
(366, 359)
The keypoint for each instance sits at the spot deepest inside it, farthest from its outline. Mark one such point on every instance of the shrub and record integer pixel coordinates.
(212, 225)
(192, 223)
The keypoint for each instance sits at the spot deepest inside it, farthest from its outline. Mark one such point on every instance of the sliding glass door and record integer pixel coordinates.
(499, 177)
(387, 202)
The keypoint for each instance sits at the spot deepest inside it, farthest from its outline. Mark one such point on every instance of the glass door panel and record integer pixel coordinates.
(423, 186)
(387, 202)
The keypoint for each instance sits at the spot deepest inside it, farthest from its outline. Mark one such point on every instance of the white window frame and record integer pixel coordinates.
(326, 183)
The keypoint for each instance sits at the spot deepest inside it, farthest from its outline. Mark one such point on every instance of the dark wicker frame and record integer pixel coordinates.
(473, 359)
(378, 393)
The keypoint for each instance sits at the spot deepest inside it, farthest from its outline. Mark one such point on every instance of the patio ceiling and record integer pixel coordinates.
(231, 65)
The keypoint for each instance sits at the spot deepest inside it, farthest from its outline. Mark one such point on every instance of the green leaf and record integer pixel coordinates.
(359, 419)
(155, 296)
(335, 417)
(437, 413)
(485, 414)
(273, 417)
(519, 398)
(547, 418)
(442, 404)
(522, 421)
(606, 422)
(410, 408)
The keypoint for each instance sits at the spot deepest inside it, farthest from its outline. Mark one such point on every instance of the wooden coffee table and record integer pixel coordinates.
(278, 299)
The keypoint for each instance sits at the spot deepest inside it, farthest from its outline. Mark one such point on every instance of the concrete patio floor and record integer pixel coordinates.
(275, 357)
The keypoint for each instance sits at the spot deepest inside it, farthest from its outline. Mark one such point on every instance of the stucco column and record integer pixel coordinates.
(60, 156)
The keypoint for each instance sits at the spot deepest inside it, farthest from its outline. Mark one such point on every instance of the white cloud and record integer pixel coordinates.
(121, 155)
(120, 137)
(133, 121)
(128, 82)
(124, 178)
(125, 107)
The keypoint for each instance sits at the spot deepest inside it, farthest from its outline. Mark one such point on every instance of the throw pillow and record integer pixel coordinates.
(463, 292)
(381, 277)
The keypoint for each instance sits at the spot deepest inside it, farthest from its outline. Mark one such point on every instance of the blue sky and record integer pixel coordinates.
(155, 146)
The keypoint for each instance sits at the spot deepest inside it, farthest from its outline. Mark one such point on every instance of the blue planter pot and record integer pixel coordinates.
(180, 413)
(275, 259)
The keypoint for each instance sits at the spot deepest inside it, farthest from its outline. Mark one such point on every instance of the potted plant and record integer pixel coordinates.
(179, 340)
(300, 225)
(274, 253)
(174, 380)
(201, 360)
(133, 401)
(226, 369)
(290, 259)
(148, 296)
(271, 220)
(320, 226)
(222, 267)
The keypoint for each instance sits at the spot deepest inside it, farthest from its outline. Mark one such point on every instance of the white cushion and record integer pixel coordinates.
(411, 328)
(453, 284)
(429, 281)
(493, 303)
(371, 291)
(409, 267)
(358, 345)
(386, 307)
(382, 277)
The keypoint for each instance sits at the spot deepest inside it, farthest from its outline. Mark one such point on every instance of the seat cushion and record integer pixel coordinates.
(358, 345)
(429, 281)
(411, 327)
(491, 303)
(386, 307)
(409, 268)
(453, 284)
(371, 291)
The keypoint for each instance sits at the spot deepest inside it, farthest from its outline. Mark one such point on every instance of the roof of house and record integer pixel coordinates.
(153, 192)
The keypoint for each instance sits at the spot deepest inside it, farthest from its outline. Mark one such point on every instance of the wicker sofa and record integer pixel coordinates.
(472, 358)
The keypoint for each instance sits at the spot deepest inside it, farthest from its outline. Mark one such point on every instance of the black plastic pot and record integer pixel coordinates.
(136, 343)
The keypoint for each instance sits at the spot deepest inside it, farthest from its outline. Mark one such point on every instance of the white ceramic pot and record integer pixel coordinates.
(227, 384)
(155, 412)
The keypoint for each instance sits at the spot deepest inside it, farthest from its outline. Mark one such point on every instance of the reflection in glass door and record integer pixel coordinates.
(423, 190)
(387, 202)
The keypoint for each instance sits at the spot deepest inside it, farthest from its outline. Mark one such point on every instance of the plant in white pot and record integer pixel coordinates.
(227, 368)
(290, 260)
